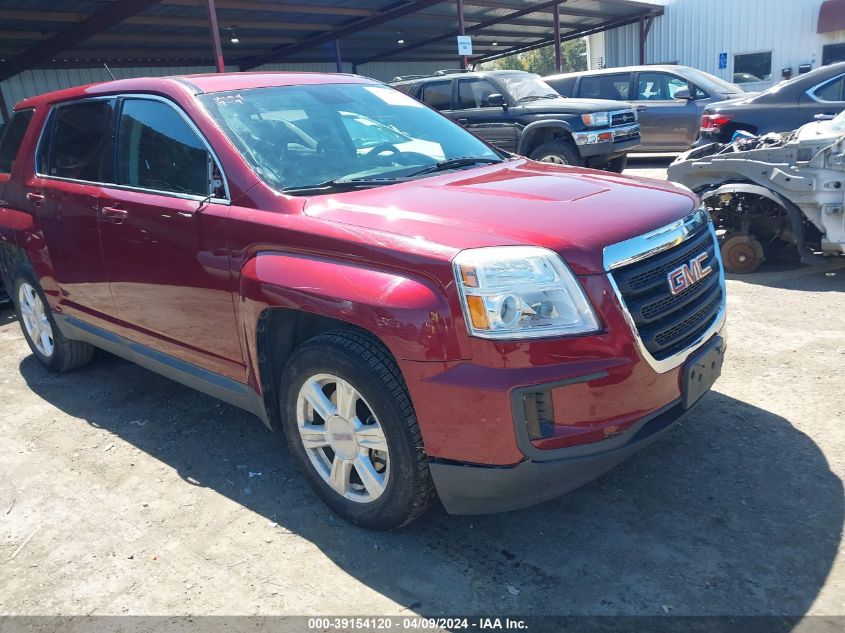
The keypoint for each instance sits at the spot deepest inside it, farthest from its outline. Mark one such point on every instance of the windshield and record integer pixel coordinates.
(527, 86)
(711, 83)
(296, 137)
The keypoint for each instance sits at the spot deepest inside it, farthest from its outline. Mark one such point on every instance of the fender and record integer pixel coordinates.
(792, 211)
(410, 315)
(529, 130)
(22, 243)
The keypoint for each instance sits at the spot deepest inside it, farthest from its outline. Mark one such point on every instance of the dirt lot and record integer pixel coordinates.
(122, 492)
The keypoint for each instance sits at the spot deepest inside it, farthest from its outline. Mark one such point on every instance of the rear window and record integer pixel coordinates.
(12, 138)
(77, 146)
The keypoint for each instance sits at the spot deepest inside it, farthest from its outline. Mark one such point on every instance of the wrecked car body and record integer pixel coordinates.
(772, 194)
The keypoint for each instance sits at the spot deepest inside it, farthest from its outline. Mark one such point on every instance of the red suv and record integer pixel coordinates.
(421, 314)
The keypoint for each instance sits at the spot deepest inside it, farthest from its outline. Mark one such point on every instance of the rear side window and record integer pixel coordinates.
(605, 87)
(832, 91)
(78, 140)
(437, 94)
(12, 138)
(158, 150)
(564, 86)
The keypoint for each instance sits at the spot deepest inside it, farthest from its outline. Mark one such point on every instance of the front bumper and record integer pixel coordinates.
(624, 138)
(472, 489)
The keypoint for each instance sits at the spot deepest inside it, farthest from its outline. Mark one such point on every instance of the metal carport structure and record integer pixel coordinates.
(252, 34)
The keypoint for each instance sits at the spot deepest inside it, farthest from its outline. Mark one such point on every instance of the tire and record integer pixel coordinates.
(558, 153)
(381, 415)
(618, 164)
(52, 349)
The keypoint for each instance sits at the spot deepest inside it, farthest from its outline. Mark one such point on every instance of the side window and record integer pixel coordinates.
(77, 146)
(605, 87)
(437, 94)
(158, 150)
(475, 93)
(832, 91)
(658, 86)
(751, 67)
(12, 139)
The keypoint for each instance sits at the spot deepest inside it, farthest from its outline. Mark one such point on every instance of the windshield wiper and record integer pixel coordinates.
(537, 97)
(341, 185)
(455, 163)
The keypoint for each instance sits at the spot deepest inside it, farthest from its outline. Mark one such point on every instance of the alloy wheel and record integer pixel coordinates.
(35, 319)
(343, 438)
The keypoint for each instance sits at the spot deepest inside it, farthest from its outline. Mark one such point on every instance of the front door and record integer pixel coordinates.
(473, 111)
(163, 228)
(73, 159)
(666, 123)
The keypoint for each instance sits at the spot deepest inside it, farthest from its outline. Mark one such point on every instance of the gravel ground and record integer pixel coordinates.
(122, 492)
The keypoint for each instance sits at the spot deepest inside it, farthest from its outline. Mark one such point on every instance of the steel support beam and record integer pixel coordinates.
(114, 13)
(338, 60)
(216, 48)
(476, 27)
(342, 31)
(461, 28)
(558, 52)
(645, 27)
(574, 34)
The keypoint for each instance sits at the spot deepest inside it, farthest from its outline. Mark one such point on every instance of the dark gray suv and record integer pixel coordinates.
(518, 112)
(668, 98)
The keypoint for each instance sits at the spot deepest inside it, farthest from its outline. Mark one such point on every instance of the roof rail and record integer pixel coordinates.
(407, 77)
(451, 71)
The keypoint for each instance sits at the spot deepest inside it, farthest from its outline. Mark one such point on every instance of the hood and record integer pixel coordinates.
(573, 211)
(566, 105)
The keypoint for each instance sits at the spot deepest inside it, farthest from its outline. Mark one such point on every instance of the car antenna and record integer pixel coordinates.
(108, 70)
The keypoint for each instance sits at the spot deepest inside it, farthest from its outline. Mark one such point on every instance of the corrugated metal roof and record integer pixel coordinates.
(175, 32)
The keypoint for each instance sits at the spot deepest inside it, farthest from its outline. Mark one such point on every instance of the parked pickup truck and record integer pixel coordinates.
(418, 319)
(519, 112)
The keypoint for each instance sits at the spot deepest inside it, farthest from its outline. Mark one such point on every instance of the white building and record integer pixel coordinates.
(751, 42)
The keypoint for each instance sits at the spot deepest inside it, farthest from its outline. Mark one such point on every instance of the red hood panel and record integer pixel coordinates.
(574, 211)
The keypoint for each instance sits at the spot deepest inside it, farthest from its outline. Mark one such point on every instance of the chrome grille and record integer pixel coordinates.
(622, 118)
(668, 324)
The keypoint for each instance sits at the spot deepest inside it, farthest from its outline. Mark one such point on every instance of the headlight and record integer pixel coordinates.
(596, 119)
(514, 292)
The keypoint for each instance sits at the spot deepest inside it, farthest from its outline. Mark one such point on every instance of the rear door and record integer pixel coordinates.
(494, 124)
(73, 159)
(666, 123)
(163, 227)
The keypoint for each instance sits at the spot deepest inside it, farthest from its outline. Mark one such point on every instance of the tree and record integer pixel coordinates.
(542, 60)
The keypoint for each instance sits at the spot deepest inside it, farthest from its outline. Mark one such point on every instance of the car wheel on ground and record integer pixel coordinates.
(351, 428)
(618, 164)
(46, 341)
(557, 152)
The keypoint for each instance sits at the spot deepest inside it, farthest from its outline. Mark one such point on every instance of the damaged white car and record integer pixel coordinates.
(773, 194)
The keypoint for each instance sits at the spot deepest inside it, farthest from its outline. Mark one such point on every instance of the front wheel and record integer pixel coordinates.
(351, 427)
(558, 153)
(48, 344)
(618, 164)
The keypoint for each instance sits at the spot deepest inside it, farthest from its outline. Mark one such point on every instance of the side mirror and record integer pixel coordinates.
(496, 101)
(683, 93)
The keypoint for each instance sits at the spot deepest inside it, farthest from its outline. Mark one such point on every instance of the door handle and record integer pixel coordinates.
(463, 121)
(35, 198)
(641, 107)
(114, 214)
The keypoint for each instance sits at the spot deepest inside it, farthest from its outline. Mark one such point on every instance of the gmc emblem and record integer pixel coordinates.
(685, 276)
